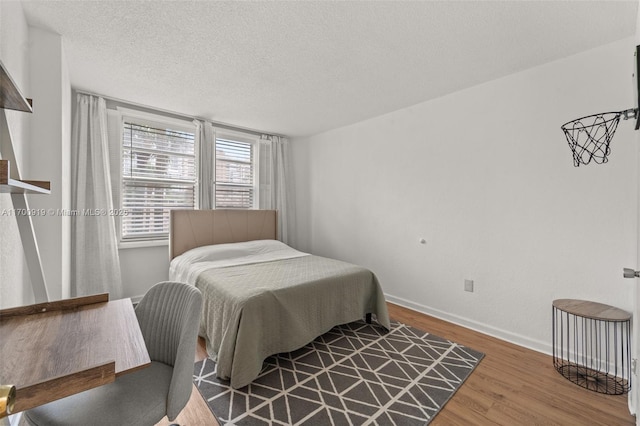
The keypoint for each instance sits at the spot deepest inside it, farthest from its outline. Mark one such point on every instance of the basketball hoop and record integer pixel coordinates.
(589, 136)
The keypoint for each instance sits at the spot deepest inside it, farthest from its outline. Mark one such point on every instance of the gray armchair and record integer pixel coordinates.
(169, 316)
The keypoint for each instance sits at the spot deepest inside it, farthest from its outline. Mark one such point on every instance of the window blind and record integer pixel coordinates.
(234, 187)
(158, 174)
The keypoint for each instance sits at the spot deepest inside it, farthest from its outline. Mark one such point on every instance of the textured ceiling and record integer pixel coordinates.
(298, 68)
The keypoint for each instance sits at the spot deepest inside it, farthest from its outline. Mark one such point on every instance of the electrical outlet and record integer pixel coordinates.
(468, 285)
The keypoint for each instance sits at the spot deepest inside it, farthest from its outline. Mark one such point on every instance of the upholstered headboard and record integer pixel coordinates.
(195, 228)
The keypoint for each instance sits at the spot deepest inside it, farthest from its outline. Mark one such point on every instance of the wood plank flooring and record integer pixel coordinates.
(511, 386)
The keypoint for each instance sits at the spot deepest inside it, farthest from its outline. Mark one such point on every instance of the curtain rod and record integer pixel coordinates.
(179, 114)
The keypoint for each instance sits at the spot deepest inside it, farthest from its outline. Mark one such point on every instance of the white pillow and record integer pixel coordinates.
(234, 250)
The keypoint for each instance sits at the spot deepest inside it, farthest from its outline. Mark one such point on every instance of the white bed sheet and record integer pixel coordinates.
(186, 267)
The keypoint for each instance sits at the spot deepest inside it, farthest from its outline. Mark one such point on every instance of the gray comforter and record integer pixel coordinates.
(253, 311)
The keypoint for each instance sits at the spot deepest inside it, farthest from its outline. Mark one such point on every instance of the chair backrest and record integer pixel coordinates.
(169, 318)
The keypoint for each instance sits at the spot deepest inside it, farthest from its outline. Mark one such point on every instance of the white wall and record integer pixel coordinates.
(634, 395)
(50, 155)
(142, 267)
(486, 177)
(36, 61)
(15, 286)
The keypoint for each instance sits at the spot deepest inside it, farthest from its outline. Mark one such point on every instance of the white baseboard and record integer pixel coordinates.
(517, 339)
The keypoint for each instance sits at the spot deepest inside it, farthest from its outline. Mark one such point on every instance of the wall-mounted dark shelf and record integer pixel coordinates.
(15, 186)
(10, 96)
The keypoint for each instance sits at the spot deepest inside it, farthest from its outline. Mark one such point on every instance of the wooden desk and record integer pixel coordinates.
(56, 349)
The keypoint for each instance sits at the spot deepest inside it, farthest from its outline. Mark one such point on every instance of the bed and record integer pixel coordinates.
(262, 297)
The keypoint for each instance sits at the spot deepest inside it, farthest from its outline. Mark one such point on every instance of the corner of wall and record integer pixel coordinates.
(49, 159)
(65, 178)
(302, 208)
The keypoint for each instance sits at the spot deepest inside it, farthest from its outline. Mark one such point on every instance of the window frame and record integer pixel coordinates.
(254, 141)
(157, 121)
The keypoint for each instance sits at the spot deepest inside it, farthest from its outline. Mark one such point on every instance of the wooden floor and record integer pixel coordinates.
(511, 386)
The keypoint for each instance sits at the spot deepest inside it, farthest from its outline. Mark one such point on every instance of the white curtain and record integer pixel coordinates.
(275, 184)
(95, 265)
(207, 168)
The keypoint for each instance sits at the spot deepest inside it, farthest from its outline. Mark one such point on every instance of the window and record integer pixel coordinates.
(156, 168)
(234, 180)
(159, 172)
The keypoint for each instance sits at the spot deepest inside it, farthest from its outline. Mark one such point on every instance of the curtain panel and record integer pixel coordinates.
(95, 265)
(275, 185)
(206, 177)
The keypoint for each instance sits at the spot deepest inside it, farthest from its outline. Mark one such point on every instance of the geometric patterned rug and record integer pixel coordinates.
(355, 374)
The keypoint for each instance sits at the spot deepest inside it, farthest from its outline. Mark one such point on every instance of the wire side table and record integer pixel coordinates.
(592, 345)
